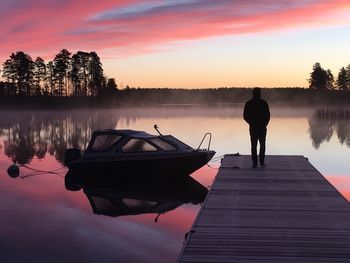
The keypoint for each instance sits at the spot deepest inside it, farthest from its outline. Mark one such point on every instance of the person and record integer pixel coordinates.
(257, 115)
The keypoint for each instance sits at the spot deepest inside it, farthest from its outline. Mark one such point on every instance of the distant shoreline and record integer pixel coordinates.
(181, 97)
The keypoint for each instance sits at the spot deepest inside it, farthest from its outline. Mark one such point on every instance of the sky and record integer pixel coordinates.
(186, 43)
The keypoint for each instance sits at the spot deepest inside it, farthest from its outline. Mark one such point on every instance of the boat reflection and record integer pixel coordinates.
(121, 196)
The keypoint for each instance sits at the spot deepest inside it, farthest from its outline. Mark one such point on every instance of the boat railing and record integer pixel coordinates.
(209, 142)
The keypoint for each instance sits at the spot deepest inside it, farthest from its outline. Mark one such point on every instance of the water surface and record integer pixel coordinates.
(43, 221)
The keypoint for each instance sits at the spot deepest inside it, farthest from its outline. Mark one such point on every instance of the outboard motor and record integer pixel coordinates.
(72, 183)
(71, 155)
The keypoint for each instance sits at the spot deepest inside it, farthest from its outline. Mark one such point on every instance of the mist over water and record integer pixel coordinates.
(35, 135)
(39, 212)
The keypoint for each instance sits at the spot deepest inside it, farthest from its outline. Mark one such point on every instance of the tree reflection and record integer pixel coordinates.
(38, 134)
(19, 143)
(343, 132)
(325, 123)
(29, 135)
(320, 130)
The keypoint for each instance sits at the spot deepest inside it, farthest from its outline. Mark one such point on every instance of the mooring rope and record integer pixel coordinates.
(59, 171)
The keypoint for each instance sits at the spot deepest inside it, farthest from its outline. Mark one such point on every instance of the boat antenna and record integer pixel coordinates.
(156, 128)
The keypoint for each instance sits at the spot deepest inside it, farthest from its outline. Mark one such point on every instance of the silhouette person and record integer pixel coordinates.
(257, 115)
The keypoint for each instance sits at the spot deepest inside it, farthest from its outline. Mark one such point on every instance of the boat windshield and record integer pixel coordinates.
(179, 144)
(138, 145)
(104, 141)
(137, 204)
(162, 144)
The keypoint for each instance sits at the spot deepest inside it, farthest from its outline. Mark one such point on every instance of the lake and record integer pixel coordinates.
(44, 220)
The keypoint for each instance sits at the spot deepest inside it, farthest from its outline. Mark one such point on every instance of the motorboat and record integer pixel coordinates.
(124, 195)
(131, 152)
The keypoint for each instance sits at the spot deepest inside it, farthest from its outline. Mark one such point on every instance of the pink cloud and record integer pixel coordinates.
(129, 26)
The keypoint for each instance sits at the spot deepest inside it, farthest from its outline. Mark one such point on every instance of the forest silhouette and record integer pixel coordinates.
(78, 80)
(78, 75)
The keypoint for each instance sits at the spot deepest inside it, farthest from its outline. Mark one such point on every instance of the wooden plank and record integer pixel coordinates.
(284, 212)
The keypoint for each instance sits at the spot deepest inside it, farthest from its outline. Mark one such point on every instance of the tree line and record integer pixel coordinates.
(322, 79)
(76, 80)
(80, 74)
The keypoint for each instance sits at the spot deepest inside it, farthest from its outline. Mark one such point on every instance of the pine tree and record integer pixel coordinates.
(61, 71)
(96, 74)
(330, 80)
(19, 71)
(8, 73)
(348, 76)
(39, 75)
(50, 78)
(86, 74)
(320, 78)
(343, 81)
(79, 73)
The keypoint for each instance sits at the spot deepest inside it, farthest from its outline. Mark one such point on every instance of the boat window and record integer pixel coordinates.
(162, 144)
(138, 204)
(104, 141)
(138, 145)
(103, 206)
(179, 144)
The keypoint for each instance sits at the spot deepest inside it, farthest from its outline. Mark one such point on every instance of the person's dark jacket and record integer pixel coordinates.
(257, 113)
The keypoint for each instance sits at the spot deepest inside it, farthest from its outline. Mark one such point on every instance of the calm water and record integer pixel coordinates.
(43, 221)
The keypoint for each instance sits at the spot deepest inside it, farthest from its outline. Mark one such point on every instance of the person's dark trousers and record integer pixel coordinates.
(258, 134)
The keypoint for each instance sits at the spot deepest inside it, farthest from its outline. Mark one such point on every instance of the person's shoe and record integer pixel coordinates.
(262, 164)
(255, 165)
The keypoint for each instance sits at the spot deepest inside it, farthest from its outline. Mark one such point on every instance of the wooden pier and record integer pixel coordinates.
(284, 212)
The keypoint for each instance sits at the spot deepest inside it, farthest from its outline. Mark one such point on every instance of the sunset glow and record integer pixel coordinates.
(186, 44)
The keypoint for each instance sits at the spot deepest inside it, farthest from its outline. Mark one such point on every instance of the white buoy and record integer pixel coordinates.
(13, 171)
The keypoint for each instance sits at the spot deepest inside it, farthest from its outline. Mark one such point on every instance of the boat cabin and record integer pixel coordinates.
(129, 141)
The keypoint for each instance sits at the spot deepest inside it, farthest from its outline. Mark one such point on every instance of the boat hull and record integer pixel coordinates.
(172, 164)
